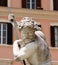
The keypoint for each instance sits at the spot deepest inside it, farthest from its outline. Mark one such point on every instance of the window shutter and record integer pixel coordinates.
(38, 4)
(9, 34)
(3, 2)
(23, 3)
(55, 2)
(52, 29)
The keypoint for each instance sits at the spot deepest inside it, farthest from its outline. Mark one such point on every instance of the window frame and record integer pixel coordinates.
(37, 4)
(31, 4)
(2, 31)
(9, 33)
(56, 36)
(53, 34)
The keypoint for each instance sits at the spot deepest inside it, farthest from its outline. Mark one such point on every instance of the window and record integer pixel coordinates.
(55, 4)
(54, 36)
(5, 33)
(3, 3)
(31, 4)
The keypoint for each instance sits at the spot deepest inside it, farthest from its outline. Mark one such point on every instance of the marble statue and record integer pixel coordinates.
(33, 44)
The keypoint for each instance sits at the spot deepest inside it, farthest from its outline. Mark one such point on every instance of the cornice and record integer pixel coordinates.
(42, 14)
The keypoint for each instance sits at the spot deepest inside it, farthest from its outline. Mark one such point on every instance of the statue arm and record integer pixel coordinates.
(40, 34)
(26, 51)
(16, 47)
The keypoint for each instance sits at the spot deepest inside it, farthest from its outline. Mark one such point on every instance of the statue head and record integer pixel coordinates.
(28, 21)
(27, 26)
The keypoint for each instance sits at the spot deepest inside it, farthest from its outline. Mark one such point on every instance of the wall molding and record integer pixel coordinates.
(5, 61)
(42, 14)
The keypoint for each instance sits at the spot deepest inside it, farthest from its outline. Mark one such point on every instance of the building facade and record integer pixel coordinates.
(44, 12)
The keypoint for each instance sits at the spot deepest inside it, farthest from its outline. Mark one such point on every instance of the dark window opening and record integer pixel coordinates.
(10, 34)
(6, 33)
(23, 3)
(39, 25)
(38, 4)
(31, 4)
(55, 4)
(3, 3)
(54, 36)
(52, 32)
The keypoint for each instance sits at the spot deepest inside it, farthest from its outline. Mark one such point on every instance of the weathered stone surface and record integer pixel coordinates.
(33, 44)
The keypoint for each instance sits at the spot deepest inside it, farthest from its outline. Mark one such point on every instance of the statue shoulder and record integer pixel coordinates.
(41, 34)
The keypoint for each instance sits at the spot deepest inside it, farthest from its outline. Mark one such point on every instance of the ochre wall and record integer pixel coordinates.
(6, 52)
(45, 24)
(45, 4)
(15, 3)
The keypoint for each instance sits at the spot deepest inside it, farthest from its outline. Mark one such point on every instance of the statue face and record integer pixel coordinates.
(27, 33)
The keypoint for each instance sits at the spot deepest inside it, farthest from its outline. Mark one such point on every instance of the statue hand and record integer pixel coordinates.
(16, 58)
